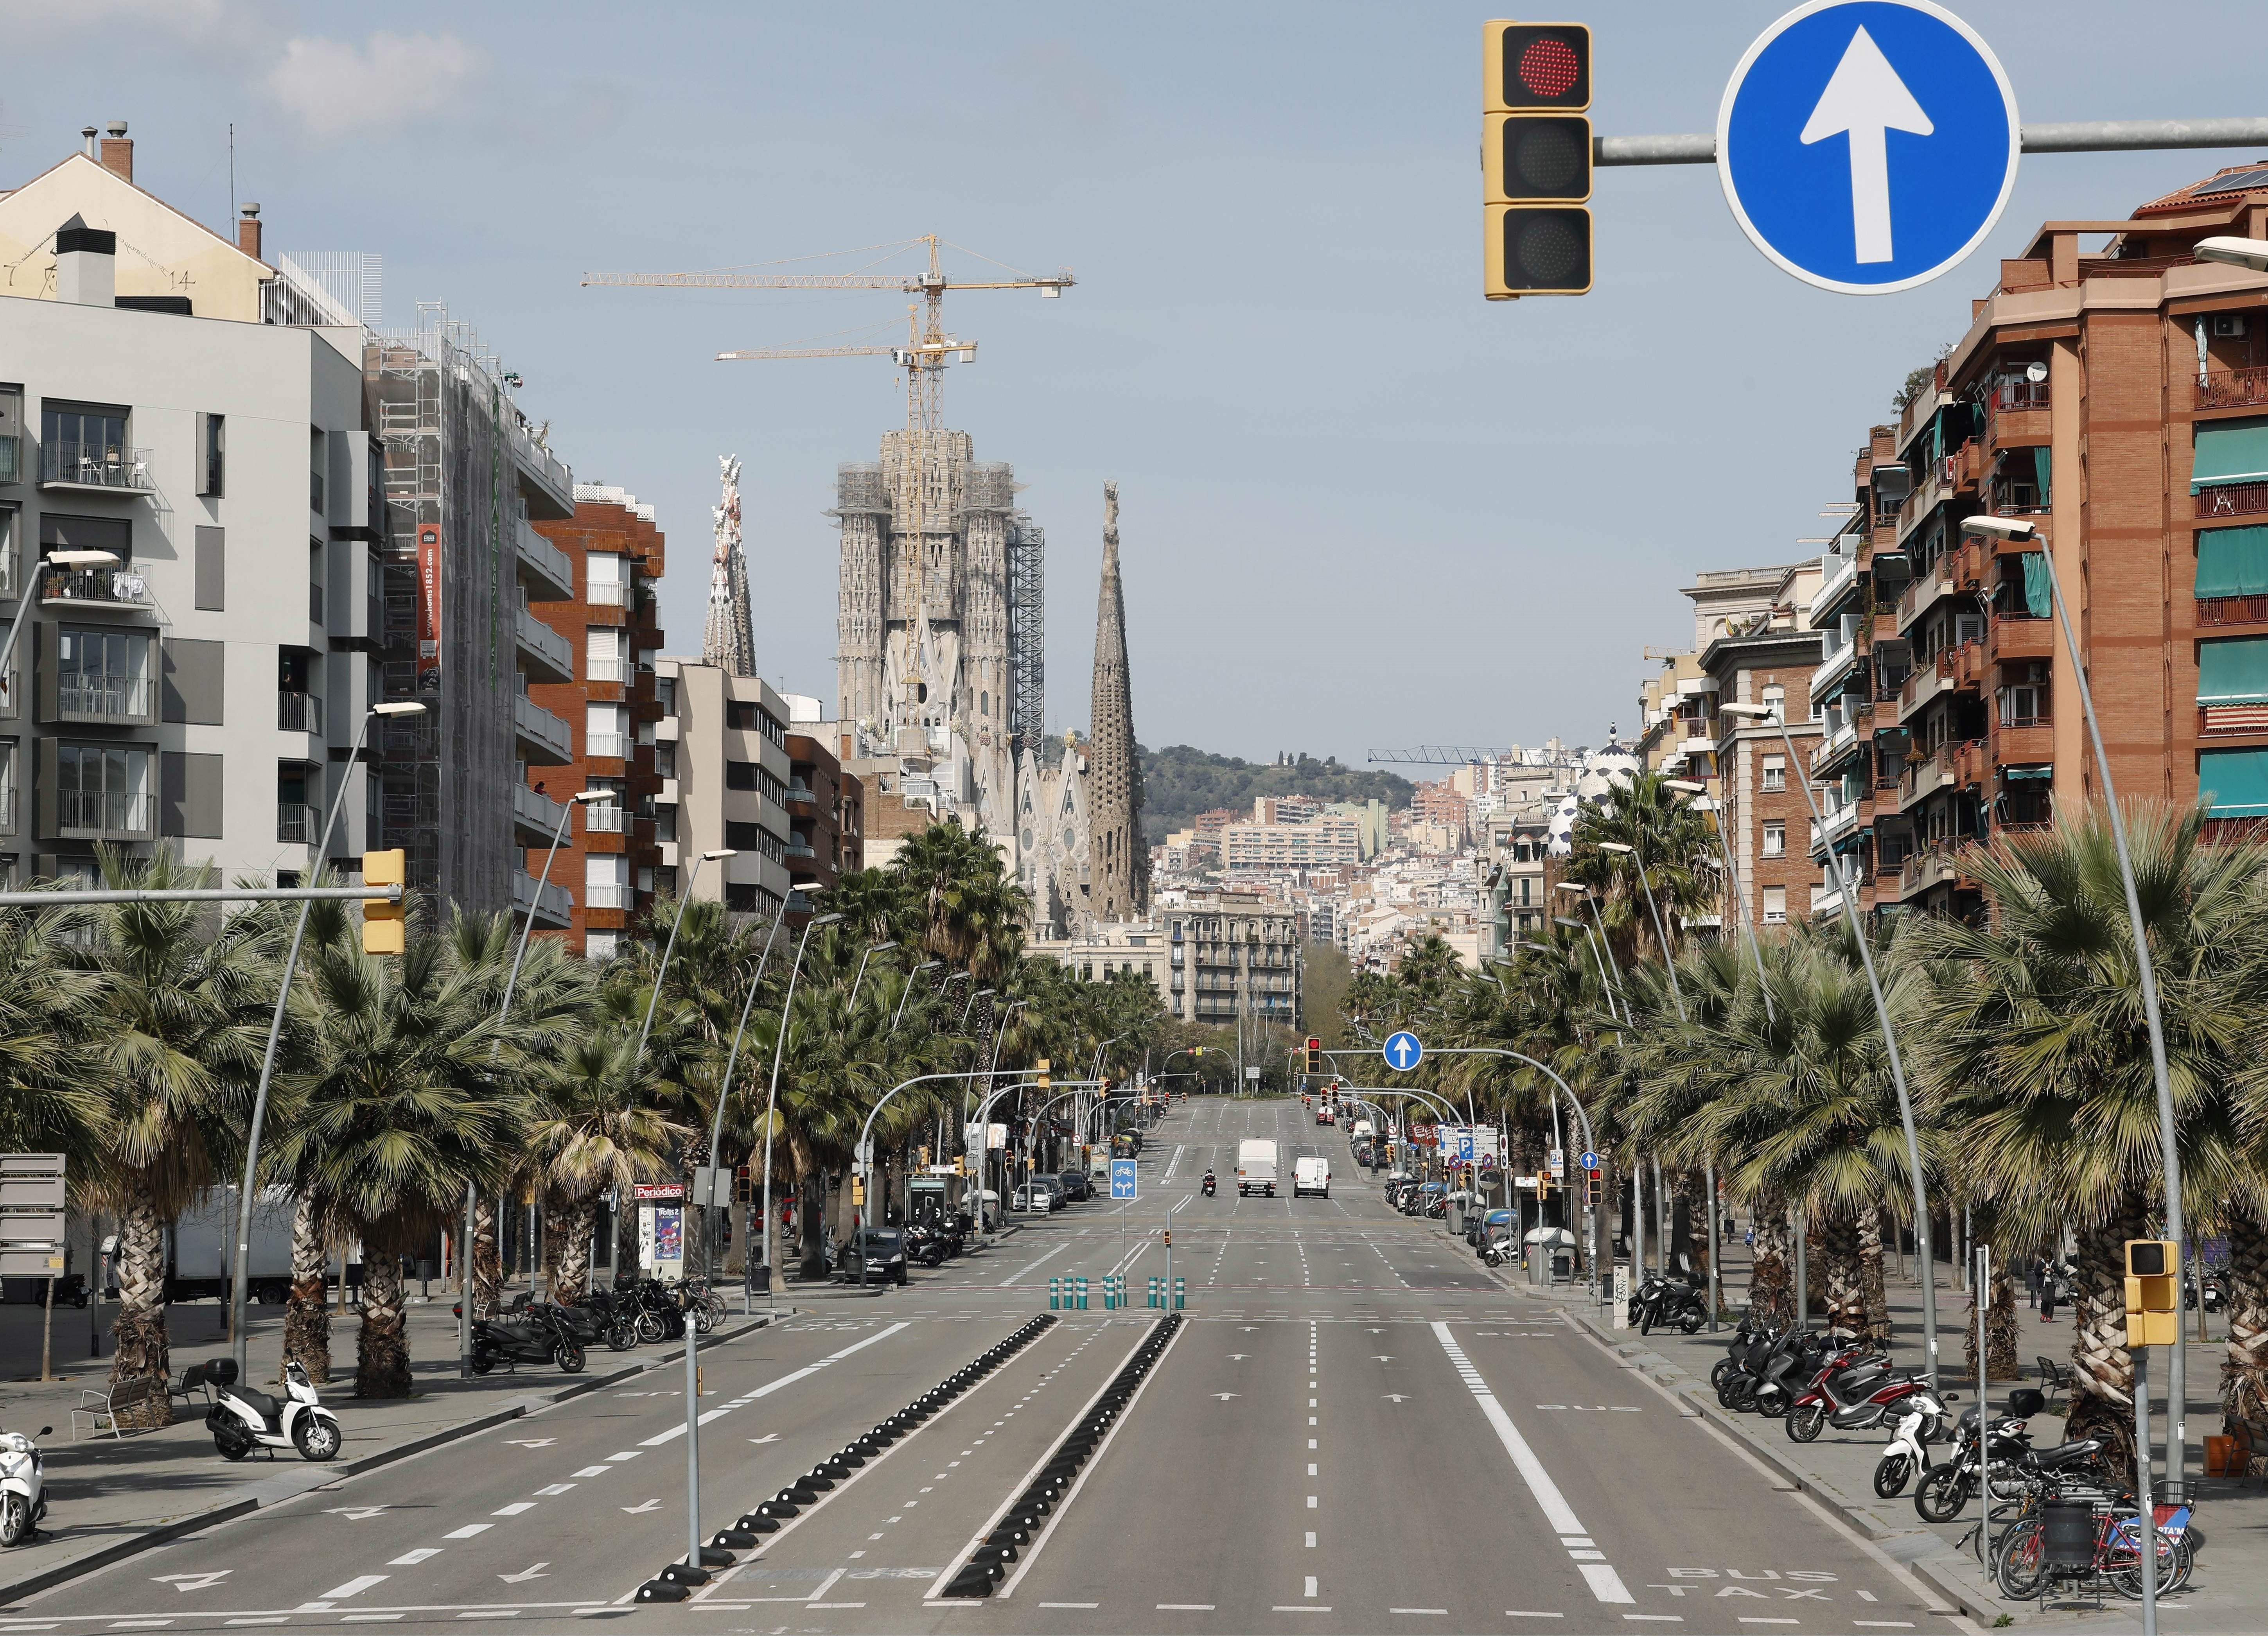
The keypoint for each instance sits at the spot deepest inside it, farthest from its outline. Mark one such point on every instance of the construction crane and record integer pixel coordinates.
(928, 350)
(1438, 755)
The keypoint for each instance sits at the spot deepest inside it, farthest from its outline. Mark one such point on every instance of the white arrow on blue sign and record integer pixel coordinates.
(1868, 146)
(1403, 1051)
(1590, 1162)
(1121, 1179)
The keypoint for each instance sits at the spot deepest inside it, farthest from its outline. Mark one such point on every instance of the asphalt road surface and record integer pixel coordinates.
(1359, 1429)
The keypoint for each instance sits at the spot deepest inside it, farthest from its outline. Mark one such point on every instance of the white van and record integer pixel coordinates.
(1311, 1176)
(1255, 1167)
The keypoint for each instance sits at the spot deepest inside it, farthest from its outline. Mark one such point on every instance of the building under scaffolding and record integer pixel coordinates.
(1027, 634)
(464, 476)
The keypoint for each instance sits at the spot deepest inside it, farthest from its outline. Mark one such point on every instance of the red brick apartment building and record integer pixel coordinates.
(615, 552)
(2112, 389)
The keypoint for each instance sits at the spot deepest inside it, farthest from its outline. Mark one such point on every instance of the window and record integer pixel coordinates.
(9, 519)
(609, 648)
(102, 674)
(2020, 707)
(102, 789)
(12, 434)
(1775, 773)
(599, 947)
(665, 760)
(606, 880)
(112, 534)
(606, 730)
(1775, 906)
(743, 836)
(1776, 839)
(7, 786)
(740, 775)
(1774, 698)
(605, 580)
(213, 454)
(665, 693)
(82, 443)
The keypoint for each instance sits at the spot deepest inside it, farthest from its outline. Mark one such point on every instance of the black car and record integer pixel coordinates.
(1076, 1186)
(886, 1258)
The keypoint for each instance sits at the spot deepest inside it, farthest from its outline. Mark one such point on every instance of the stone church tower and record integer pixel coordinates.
(1117, 853)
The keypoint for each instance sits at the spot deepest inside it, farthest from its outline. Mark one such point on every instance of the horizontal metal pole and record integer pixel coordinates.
(218, 894)
(2073, 136)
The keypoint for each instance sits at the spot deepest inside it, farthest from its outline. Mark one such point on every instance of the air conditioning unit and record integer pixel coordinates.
(2225, 325)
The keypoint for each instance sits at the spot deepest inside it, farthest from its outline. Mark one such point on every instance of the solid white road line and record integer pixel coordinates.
(1017, 1277)
(765, 1391)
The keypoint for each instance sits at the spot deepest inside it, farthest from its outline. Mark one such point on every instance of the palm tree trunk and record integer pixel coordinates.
(382, 1348)
(2244, 1374)
(2103, 1371)
(570, 1272)
(488, 1258)
(141, 1347)
(1771, 1279)
(1999, 1327)
(1835, 1236)
(1875, 1297)
(307, 1320)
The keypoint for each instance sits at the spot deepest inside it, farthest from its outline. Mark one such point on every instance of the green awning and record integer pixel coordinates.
(2233, 563)
(2038, 594)
(2235, 780)
(2233, 671)
(2231, 451)
(2030, 772)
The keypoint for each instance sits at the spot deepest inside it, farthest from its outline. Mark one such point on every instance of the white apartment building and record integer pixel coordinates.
(720, 750)
(1136, 947)
(1318, 843)
(1230, 954)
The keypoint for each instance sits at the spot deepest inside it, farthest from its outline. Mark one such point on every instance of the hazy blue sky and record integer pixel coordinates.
(1361, 506)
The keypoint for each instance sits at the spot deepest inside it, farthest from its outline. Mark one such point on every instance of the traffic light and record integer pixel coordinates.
(1315, 1054)
(2153, 1300)
(1543, 1185)
(1591, 1188)
(384, 926)
(744, 1184)
(1040, 1068)
(1535, 159)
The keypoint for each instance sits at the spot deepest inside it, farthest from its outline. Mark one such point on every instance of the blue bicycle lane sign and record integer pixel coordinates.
(1868, 146)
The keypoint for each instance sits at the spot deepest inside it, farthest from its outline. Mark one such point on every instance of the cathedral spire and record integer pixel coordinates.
(1119, 857)
(729, 641)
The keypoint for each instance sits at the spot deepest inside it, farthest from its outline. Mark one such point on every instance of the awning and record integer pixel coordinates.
(2233, 563)
(2233, 671)
(2231, 451)
(2027, 771)
(2235, 781)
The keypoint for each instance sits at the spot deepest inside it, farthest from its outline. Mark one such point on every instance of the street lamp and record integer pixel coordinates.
(762, 1242)
(1597, 958)
(1687, 785)
(724, 1089)
(908, 989)
(2250, 252)
(2245, 253)
(407, 707)
(504, 1010)
(1848, 889)
(872, 950)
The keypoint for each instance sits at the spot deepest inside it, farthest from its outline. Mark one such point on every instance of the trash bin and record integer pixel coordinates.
(2067, 1533)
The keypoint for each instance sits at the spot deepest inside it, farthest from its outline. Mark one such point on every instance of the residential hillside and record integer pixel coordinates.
(1178, 782)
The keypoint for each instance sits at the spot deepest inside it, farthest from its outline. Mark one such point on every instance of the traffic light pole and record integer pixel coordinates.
(2074, 137)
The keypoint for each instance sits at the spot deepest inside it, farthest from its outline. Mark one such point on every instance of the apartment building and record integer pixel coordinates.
(1517, 877)
(1230, 954)
(611, 557)
(2117, 400)
(720, 753)
(826, 815)
(1318, 843)
(1135, 948)
(199, 681)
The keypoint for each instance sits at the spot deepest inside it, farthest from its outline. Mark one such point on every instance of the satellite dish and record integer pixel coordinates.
(2035, 372)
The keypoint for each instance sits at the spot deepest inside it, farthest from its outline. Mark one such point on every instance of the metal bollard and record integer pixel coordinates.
(1082, 1292)
(1180, 1292)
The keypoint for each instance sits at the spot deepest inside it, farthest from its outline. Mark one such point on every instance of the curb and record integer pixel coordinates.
(274, 1490)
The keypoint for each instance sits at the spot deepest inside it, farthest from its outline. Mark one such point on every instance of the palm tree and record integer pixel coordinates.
(399, 1103)
(589, 1142)
(50, 1102)
(2033, 1037)
(185, 1014)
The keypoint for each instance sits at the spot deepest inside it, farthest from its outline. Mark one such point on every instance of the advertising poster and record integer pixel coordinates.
(669, 1233)
(428, 607)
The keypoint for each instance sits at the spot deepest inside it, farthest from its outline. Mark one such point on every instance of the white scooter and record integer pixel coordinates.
(241, 1420)
(21, 1507)
(1906, 1455)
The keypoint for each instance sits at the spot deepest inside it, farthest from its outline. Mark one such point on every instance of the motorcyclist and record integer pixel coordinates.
(1209, 1184)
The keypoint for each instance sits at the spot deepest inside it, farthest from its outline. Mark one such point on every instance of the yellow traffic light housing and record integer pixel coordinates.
(384, 926)
(1315, 1054)
(1535, 159)
(2153, 1293)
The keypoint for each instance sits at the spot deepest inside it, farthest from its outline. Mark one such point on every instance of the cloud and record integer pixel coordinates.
(337, 89)
(210, 27)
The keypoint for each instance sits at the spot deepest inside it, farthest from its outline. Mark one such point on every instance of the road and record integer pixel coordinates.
(1357, 1429)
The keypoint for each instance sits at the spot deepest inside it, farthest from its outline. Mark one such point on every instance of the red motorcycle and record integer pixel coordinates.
(1857, 1390)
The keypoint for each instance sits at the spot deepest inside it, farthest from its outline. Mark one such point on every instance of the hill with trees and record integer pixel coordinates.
(1180, 782)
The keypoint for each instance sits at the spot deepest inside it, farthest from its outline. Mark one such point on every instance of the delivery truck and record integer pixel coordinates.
(1255, 1167)
(1311, 1176)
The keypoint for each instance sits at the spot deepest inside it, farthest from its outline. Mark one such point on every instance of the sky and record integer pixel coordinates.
(1362, 508)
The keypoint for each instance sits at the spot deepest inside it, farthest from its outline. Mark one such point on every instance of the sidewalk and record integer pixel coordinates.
(2225, 1593)
(110, 1497)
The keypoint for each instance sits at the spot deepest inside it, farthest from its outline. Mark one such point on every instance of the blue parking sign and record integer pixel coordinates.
(1121, 1179)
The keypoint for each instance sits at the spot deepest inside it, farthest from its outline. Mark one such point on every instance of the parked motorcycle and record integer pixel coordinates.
(21, 1479)
(241, 1420)
(612, 1320)
(1948, 1487)
(534, 1334)
(1676, 1303)
(1907, 1453)
(1854, 1394)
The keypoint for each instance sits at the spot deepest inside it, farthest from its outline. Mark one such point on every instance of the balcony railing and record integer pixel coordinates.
(546, 646)
(538, 725)
(605, 817)
(546, 467)
(2016, 499)
(299, 713)
(2231, 610)
(297, 823)
(95, 465)
(104, 699)
(2232, 500)
(95, 813)
(546, 561)
(2232, 388)
(539, 812)
(607, 746)
(12, 458)
(2021, 636)
(2232, 718)
(96, 587)
(554, 902)
(2019, 394)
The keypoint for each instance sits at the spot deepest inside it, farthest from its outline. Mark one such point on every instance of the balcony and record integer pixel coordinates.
(1933, 866)
(1842, 576)
(550, 656)
(2231, 389)
(1924, 593)
(2232, 609)
(1924, 778)
(297, 823)
(95, 468)
(1838, 665)
(2016, 413)
(2013, 636)
(800, 851)
(1843, 741)
(2220, 720)
(2231, 499)
(95, 590)
(2026, 741)
(545, 564)
(93, 815)
(542, 738)
(535, 817)
(546, 472)
(607, 746)
(551, 906)
(299, 713)
(800, 794)
(111, 700)
(606, 817)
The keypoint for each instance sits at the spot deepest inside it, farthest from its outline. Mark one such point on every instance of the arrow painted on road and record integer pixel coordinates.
(525, 1574)
(1866, 99)
(193, 1581)
(1381, 1357)
(773, 1437)
(638, 1510)
(1223, 1396)
(1395, 1396)
(1238, 1357)
(358, 1514)
(534, 1442)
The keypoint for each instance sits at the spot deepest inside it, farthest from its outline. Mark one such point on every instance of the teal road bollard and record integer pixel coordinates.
(1110, 1294)
(1055, 1294)
(1082, 1292)
(1180, 1293)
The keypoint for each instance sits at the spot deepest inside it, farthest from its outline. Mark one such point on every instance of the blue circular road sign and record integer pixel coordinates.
(1868, 146)
(1402, 1052)
(1590, 1160)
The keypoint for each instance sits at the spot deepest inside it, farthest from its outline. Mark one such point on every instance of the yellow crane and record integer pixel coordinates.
(924, 358)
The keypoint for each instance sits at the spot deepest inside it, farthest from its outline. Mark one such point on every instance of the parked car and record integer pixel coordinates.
(1043, 1194)
(886, 1257)
(1076, 1186)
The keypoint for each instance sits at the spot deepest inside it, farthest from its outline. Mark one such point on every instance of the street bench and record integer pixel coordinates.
(143, 1404)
